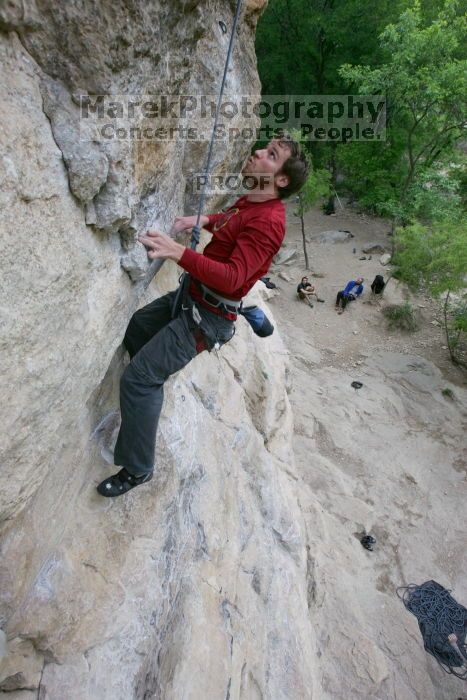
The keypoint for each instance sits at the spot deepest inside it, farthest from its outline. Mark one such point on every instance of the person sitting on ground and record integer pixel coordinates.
(306, 290)
(352, 291)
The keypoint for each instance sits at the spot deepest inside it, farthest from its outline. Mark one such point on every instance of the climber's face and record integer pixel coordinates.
(269, 161)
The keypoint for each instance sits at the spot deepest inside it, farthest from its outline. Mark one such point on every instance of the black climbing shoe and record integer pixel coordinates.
(120, 483)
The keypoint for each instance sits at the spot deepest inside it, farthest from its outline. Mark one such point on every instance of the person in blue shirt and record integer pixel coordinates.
(352, 291)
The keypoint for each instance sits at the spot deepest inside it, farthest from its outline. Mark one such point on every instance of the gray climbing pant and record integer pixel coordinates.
(159, 346)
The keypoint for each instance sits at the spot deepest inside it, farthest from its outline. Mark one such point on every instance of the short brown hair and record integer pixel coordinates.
(296, 167)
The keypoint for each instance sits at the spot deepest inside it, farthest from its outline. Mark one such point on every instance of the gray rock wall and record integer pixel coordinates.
(72, 208)
(192, 588)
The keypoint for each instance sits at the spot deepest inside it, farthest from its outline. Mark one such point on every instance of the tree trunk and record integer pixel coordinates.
(330, 206)
(302, 223)
(446, 327)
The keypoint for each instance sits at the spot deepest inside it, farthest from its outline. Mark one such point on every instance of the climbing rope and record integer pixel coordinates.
(442, 622)
(196, 230)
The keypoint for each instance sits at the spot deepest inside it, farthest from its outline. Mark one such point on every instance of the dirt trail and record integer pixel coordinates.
(388, 459)
(362, 328)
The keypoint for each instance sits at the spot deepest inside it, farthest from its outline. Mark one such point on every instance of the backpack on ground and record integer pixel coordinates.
(378, 284)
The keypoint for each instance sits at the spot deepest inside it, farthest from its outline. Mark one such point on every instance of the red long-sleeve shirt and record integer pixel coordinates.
(245, 239)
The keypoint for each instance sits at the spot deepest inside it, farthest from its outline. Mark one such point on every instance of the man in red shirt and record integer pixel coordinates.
(245, 239)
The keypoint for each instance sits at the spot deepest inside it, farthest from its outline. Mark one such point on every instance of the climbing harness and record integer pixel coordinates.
(182, 292)
(218, 302)
(442, 622)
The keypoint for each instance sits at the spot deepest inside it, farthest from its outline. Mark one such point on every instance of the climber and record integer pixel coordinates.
(352, 291)
(245, 239)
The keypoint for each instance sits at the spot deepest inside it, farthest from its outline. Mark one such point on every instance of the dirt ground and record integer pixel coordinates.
(342, 339)
(387, 460)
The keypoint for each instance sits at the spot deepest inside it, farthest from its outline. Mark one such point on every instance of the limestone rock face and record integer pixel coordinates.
(192, 587)
(25, 675)
(72, 206)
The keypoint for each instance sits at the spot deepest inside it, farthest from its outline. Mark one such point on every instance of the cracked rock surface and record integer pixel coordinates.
(72, 271)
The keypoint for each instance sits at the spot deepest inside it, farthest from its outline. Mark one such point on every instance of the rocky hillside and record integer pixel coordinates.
(388, 459)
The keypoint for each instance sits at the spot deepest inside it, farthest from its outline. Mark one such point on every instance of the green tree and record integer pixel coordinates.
(316, 187)
(300, 45)
(435, 258)
(425, 79)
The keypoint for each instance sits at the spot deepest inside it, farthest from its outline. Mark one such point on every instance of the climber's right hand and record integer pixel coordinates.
(183, 223)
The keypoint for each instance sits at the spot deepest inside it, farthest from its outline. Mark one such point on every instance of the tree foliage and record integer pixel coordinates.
(414, 52)
(424, 77)
(316, 187)
(435, 258)
(301, 44)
